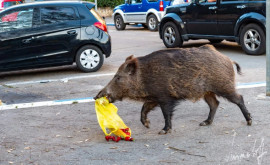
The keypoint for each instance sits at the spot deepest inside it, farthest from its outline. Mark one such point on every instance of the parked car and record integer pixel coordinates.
(44, 34)
(7, 3)
(145, 12)
(241, 21)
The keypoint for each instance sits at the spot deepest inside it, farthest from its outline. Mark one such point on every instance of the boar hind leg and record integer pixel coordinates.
(147, 107)
(211, 100)
(167, 110)
(238, 100)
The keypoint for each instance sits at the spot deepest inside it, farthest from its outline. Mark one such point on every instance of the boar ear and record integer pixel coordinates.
(130, 57)
(131, 66)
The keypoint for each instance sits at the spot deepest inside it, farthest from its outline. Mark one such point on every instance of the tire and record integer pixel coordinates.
(152, 22)
(119, 22)
(253, 39)
(215, 41)
(89, 58)
(144, 25)
(171, 35)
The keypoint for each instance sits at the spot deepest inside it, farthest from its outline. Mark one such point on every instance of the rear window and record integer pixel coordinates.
(50, 15)
(11, 3)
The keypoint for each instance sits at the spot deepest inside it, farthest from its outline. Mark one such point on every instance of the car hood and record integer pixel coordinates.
(119, 7)
(176, 8)
(182, 5)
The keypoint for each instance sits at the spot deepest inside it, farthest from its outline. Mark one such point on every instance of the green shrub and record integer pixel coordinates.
(108, 3)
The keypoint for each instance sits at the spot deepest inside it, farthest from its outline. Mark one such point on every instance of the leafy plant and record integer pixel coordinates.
(108, 3)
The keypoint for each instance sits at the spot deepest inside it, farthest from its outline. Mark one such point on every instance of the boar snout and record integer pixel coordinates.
(104, 93)
(100, 94)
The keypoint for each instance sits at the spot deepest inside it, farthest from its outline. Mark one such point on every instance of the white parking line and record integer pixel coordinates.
(55, 80)
(46, 103)
(90, 99)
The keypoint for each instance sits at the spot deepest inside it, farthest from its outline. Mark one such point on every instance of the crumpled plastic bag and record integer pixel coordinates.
(110, 121)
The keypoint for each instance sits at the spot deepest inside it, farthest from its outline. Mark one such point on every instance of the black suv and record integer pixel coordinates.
(242, 21)
(44, 34)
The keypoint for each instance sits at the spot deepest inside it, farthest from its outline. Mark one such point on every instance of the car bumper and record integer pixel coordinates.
(107, 48)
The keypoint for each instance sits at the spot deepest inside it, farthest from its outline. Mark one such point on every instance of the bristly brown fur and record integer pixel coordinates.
(167, 76)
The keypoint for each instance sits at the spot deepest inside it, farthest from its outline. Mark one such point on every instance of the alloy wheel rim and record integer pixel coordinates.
(89, 58)
(252, 40)
(118, 22)
(152, 23)
(169, 35)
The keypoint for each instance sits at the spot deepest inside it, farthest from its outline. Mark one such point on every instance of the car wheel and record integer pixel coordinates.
(152, 22)
(89, 58)
(119, 22)
(171, 36)
(215, 41)
(252, 39)
(144, 25)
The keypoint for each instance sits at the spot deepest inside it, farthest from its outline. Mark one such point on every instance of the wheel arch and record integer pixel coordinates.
(86, 44)
(246, 19)
(154, 12)
(119, 12)
(171, 17)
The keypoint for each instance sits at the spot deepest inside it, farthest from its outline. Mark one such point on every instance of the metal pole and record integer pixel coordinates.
(268, 48)
(96, 5)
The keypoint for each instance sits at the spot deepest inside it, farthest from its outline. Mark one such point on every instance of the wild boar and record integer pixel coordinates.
(165, 77)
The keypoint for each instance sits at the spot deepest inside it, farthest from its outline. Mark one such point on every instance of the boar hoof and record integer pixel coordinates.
(146, 123)
(249, 122)
(205, 123)
(163, 132)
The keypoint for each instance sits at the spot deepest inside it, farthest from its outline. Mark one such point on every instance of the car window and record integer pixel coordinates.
(11, 3)
(19, 19)
(136, 1)
(231, 0)
(207, 1)
(152, 0)
(50, 15)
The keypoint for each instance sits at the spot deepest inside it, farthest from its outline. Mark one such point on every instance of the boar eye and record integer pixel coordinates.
(117, 78)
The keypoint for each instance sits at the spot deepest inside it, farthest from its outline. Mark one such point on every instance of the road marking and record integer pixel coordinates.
(91, 99)
(250, 85)
(55, 80)
(46, 103)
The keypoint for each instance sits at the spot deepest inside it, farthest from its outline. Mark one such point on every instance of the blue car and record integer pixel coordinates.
(145, 12)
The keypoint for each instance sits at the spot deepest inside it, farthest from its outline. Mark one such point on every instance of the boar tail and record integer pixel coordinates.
(238, 68)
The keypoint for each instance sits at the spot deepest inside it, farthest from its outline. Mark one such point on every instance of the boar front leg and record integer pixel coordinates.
(167, 110)
(147, 107)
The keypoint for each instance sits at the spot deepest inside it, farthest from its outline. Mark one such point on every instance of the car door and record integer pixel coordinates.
(16, 47)
(229, 11)
(202, 18)
(134, 11)
(59, 30)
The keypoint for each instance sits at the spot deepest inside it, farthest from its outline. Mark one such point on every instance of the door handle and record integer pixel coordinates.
(28, 40)
(212, 8)
(241, 6)
(72, 32)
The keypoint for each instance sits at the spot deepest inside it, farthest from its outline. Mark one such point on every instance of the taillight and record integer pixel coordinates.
(101, 26)
(161, 7)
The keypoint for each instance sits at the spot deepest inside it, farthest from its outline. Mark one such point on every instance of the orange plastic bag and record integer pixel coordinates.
(109, 120)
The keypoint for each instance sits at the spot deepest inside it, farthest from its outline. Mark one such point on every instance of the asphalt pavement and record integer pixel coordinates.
(69, 133)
